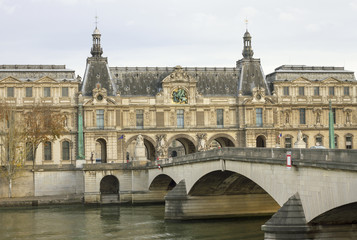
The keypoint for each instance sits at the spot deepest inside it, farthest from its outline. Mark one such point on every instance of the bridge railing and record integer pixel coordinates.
(327, 158)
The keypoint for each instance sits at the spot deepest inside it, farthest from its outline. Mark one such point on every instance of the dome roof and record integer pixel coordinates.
(247, 34)
(96, 31)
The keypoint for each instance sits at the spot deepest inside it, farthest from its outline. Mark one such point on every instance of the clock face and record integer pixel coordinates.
(259, 97)
(179, 95)
(99, 97)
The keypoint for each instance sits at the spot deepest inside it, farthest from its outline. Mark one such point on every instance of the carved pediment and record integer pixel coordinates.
(301, 80)
(258, 94)
(10, 80)
(46, 80)
(100, 97)
(330, 80)
(178, 75)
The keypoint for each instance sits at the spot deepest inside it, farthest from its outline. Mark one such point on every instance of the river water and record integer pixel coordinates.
(117, 222)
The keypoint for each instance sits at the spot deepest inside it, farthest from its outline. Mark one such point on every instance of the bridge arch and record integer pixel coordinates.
(224, 183)
(188, 143)
(224, 140)
(109, 185)
(149, 144)
(345, 214)
(162, 182)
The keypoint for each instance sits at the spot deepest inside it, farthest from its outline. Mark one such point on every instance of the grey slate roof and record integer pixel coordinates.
(251, 76)
(97, 71)
(292, 72)
(35, 72)
(146, 81)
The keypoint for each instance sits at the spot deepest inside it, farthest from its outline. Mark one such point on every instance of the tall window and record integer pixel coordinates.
(336, 141)
(288, 142)
(47, 92)
(220, 118)
(286, 91)
(29, 152)
(29, 92)
(331, 91)
(302, 116)
(318, 140)
(10, 92)
(305, 139)
(48, 151)
(316, 91)
(180, 118)
(349, 142)
(346, 91)
(301, 91)
(65, 150)
(64, 91)
(139, 119)
(100, 118)
(259, 117)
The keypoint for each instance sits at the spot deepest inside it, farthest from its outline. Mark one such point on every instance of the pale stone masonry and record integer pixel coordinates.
(182, 110)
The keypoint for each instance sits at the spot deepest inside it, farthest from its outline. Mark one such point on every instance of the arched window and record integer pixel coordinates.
(319, 140)
(48, 150)
(306, 140)
(336, 141)
(288, 141)
(65, 150)
(29, 152)
(349, 139)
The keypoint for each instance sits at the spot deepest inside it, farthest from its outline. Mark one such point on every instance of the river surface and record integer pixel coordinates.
(117, 222)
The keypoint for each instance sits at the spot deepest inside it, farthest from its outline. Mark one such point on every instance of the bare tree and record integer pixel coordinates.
(42, 124)
(12, 145)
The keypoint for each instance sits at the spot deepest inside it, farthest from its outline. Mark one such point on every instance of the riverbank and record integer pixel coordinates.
(43, 200)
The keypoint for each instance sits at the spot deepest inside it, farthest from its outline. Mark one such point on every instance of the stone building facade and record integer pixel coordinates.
(181, 110)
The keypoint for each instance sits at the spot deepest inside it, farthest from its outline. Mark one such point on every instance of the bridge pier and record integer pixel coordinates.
(290, 223)
(180, 206)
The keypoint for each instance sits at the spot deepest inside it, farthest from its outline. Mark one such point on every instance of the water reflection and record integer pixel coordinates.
(114, 222)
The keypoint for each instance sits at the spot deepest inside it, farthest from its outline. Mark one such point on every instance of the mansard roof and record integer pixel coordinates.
(147, 81)
(35, 72)
(312, 73)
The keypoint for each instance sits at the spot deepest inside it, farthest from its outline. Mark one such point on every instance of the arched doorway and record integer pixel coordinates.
(261, 142)
(181, 146)
(149, 149)
(101, 151)
(109, 189)
(220, 142)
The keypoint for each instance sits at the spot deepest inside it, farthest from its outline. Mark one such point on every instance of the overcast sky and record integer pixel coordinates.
(179, 32)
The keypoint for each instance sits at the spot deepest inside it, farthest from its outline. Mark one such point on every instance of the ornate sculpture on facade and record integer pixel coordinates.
(348, 116)
(179, 95)
(172, 118)
(287, 118)
(202, 139)
(318, 115)
(139, 153)
(300, 143)
(140, 141)
(161, 145)
(132, 119)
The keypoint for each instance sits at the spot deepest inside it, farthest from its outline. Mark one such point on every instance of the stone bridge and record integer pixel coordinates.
(315, 199)
(316, 194)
